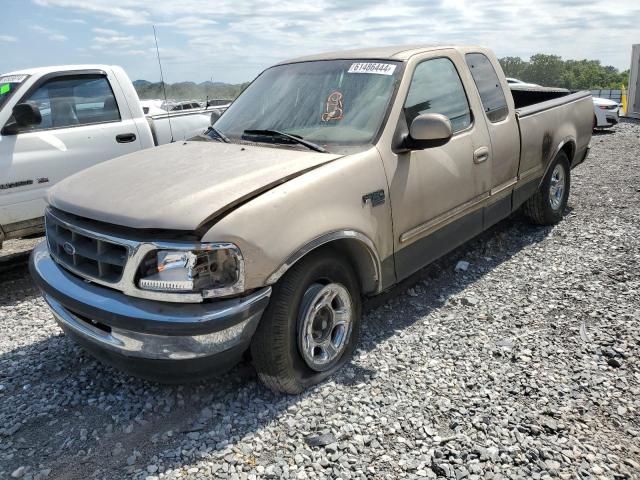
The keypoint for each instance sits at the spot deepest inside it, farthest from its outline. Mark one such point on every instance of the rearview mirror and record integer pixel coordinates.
(429, 130)
(24, 115)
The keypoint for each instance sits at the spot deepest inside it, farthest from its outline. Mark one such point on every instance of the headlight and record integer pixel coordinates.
(213, 270)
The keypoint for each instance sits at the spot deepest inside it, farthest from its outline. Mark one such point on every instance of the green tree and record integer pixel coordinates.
(513, 66)
(545, 70)
(553, 71)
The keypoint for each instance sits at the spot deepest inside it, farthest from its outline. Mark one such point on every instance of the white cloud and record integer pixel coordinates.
(237, 39)
(120, 43)
(7, 39)
(105, 31)
(51, 34)
(71, 20)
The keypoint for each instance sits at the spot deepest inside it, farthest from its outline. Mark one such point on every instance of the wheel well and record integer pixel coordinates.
(570, 149)
(362, 259)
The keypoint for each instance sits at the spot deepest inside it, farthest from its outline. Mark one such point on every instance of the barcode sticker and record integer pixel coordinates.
(377, 68)
(12, 78)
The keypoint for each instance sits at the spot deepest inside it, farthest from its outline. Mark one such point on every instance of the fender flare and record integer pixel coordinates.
(327, 238)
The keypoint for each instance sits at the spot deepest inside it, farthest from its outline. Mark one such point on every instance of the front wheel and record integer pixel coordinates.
(547, 205)
(311, 326)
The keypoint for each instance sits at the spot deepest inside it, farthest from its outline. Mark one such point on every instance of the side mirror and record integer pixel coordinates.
(428, 130)
(25, 115)
(215, 115)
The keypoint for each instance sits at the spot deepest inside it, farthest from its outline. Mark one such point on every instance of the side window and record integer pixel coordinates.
(491, 93)
(436, 88)
(75, 100)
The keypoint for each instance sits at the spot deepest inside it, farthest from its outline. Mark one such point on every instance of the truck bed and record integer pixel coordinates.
(562, 118)
(524, 96)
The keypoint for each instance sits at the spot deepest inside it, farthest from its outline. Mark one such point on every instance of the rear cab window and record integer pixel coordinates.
(436, 87)
(491, 93)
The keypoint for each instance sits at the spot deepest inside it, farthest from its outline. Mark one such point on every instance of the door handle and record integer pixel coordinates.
(481, 155)
(126, 138)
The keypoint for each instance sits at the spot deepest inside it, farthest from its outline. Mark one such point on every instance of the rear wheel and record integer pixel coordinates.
(547, 205)
(311, 325)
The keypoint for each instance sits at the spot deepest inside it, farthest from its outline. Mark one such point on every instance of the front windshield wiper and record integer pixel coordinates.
(218, 134)
(294, 138)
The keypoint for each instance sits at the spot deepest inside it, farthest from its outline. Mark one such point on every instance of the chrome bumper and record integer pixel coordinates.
(132, 327)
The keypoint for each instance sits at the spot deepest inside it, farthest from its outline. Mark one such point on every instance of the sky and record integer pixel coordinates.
(234, 40)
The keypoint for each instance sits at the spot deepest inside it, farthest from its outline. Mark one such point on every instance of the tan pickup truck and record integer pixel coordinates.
(332, 177)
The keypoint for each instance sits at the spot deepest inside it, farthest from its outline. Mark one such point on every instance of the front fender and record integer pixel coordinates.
(276, 229)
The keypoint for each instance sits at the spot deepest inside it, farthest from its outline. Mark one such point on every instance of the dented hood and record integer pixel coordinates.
(181, 185)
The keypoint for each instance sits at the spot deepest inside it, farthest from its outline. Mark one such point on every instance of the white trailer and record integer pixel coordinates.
(633, 98)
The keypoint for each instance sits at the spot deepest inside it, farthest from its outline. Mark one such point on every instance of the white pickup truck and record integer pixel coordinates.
(56, 121)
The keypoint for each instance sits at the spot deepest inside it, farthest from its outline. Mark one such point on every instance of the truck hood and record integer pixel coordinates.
(181, 185)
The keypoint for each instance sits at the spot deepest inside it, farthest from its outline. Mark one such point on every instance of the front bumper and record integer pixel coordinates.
(609, 118)
(612, 119)
(149, 338)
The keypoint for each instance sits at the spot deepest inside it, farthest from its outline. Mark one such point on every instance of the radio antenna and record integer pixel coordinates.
(164, 89)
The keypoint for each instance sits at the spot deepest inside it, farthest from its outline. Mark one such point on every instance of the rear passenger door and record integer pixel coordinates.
(501, 122)
(84, 122)
(437, 193)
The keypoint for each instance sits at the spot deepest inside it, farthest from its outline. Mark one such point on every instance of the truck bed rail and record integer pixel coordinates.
(526, 111)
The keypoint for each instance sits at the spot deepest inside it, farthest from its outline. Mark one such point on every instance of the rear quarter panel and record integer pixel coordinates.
(546, 127)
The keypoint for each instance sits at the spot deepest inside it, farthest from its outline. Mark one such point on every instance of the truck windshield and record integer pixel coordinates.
(8, 84)
(330, 103)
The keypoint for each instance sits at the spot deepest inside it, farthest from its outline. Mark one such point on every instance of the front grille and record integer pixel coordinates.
(84, 254)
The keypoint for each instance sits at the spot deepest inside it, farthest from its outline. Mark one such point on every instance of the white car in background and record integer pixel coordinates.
(520, 83)
(605, 113)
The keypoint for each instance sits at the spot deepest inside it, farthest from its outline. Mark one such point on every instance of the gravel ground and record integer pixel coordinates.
(526, 365)
(16, 247)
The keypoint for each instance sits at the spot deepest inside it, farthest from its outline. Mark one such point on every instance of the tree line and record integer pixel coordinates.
(543, 69)
(553, 71)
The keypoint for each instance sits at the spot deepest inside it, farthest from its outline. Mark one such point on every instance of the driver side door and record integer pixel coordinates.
(437, 193)
(84, 122)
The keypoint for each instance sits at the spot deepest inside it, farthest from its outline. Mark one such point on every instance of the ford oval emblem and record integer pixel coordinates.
(69, 248)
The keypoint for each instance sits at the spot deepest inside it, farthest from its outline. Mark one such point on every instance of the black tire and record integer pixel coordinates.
(539, 208)
(275, 347)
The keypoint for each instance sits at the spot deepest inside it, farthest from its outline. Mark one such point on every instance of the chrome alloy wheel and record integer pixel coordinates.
(557, 186)
(325, 325)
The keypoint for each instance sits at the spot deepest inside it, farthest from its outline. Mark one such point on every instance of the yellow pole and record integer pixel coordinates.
(624, 100)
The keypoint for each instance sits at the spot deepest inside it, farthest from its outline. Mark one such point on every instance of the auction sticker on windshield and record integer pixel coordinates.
(12, 78)
(377, 68)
